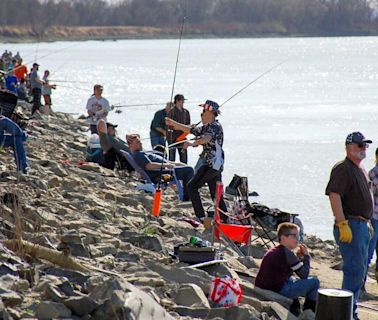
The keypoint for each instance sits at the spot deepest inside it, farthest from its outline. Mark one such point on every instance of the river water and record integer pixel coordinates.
(284, 132)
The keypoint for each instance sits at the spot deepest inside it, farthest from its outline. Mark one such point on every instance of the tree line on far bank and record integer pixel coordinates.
(218, 17)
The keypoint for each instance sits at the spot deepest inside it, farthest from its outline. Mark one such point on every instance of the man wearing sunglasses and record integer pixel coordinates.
(351, 198)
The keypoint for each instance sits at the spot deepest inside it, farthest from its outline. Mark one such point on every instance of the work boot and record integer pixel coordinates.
(295, 308)
(309, 304)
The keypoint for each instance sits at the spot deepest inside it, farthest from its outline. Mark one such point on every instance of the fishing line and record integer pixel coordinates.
(157, 196)
(254, 80)
(46, 55)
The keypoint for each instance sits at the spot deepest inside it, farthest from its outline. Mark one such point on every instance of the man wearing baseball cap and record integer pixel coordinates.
(210, 164)
(351, 200)
(180, 115)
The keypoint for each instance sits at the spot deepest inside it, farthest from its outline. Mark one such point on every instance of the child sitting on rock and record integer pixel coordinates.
(279, 264)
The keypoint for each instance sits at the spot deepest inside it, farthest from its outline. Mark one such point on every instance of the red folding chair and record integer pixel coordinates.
(233, 234)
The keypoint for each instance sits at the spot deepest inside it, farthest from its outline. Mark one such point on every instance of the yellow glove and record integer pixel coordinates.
(345, 231)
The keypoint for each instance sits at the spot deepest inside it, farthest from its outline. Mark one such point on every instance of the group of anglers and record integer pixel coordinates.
(15, 78)
(168, 124)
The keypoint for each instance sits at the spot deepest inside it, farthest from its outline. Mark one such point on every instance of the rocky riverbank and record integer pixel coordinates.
(79, 242)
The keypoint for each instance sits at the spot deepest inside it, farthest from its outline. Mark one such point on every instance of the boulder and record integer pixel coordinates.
(47, 310)
(153, 243)
(121, 299)
(182, 275)
(81, 305)
(241, 312)
(191, 295)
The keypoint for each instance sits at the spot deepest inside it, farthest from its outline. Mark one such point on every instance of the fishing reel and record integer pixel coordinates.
(165, 178)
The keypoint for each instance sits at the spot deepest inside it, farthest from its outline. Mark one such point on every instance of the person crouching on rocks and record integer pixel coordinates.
(210, 164)
(279, 264)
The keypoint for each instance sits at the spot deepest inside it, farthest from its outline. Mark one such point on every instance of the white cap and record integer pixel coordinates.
(94, 141)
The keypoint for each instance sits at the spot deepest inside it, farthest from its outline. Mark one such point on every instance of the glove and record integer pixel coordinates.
(345, 231)
(371, 230)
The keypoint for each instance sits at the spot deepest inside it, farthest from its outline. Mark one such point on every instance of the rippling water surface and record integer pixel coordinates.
(284, 132)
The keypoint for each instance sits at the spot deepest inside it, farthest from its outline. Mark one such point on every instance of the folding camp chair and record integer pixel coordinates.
(147, 179)
(267, 220)
(239, 188)
(233, 234)
(8, 102)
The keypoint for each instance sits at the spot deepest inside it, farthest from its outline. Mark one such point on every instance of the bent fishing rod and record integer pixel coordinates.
(157, 196)
(184, 135)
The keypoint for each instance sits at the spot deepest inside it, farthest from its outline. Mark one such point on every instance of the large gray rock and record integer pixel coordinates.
(48, 310)
(121, 300)
(182, 275)
(10, 298)
(153, 243)
(191, 295)
(81, 305)
(73, 276)
(241, 312)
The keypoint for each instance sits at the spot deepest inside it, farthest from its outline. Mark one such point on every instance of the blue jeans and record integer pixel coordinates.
(295, 288)
(155, 140)
(355, 256)
(373, 242)
(16, 143)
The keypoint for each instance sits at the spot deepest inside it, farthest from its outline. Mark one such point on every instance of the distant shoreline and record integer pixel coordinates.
(14, 34)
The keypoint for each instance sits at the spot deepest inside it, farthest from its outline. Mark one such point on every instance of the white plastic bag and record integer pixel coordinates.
(225, 292)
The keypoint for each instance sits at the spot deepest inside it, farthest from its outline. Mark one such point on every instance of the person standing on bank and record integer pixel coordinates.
(98, 107)
(46, 92)
(36, 85)
(210, 164)
(351, 200)
(158, 128)
(373, 245)
(181, 115)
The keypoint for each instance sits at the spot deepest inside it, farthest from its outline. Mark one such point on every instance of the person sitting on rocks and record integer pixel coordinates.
(94, 151)
(12, 136)
(152, 163)
(111, 146)
(279, 264)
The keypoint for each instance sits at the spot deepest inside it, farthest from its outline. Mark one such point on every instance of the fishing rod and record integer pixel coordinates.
(157, 196)
(184, 134)
(44, 56)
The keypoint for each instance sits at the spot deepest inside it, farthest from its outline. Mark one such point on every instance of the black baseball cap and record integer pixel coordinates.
(108, 124)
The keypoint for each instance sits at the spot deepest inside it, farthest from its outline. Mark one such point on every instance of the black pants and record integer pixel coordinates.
(183, 154)
(205, 174)
(36, 99)
(112, 157)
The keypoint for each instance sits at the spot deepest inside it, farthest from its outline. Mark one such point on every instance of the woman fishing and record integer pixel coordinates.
(210, 164)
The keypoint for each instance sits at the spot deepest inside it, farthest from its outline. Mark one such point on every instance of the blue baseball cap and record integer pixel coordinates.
(356, 137)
